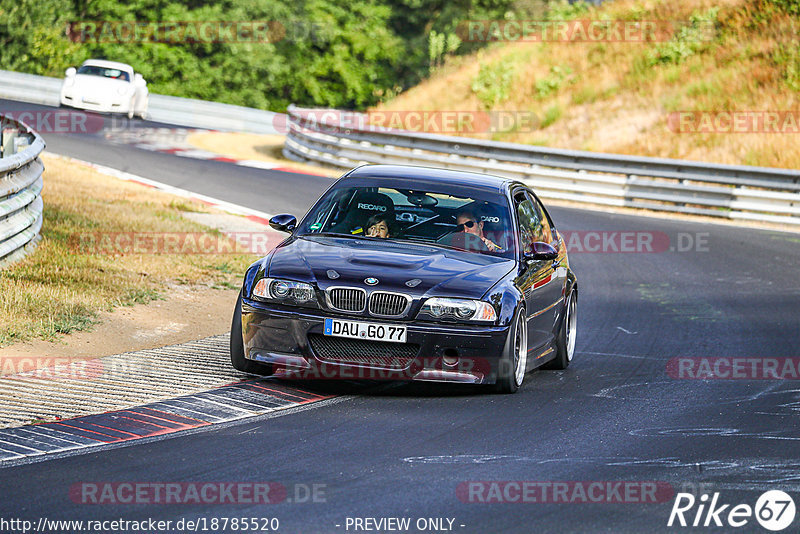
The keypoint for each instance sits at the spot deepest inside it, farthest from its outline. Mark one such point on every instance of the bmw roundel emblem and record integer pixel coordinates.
(371, 281)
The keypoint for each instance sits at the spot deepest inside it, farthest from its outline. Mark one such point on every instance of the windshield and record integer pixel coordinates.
(465, 222)
(105, 72)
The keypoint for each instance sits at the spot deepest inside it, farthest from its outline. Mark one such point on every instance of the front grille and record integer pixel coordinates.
(363, 352)
(388, 304)
(347, 299)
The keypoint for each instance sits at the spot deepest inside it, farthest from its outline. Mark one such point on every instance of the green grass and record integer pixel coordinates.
(688, 40)
(493, 83)
(550, 84)
(551, 115)
(585, 95)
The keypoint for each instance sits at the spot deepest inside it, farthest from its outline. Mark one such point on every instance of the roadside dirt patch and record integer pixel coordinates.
(186, 313)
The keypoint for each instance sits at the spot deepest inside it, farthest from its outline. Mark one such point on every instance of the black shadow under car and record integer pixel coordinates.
(411, 273)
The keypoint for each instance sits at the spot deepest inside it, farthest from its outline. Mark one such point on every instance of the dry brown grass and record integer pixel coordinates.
(613, 100)
(59, 289)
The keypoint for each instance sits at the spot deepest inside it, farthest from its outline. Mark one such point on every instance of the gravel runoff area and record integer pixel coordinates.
(65, 390)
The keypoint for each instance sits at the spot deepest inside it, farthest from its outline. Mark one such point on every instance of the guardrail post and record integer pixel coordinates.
(9, 144)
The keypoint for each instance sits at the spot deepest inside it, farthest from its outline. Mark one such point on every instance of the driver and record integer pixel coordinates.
(467, 222)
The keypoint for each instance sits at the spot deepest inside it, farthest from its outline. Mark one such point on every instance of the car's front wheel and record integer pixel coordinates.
(238, 360)
(565, 342)
(513, 364)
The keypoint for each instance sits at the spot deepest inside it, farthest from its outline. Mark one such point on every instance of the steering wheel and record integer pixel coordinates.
(465, 241)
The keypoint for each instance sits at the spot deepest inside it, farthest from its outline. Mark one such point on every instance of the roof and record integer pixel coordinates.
(108, 64)
(474, 180)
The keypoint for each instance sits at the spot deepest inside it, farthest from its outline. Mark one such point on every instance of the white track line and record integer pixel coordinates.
(223, 205)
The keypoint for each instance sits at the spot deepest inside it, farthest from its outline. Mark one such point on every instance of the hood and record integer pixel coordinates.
(441, 272)
(97, 85)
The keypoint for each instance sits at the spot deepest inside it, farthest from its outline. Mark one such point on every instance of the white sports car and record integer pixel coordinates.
(105, 86)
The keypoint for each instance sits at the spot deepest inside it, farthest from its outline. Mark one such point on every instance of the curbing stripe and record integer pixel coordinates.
(229, 207)
(221, 405)
(173, 142)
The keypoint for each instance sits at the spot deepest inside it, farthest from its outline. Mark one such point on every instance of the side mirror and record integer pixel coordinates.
(72, 71)
(283, 222)
(541, 252)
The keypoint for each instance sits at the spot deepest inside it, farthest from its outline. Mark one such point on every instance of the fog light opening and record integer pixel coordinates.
(450, 357)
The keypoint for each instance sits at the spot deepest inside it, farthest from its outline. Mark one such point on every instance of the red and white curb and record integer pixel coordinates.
(236, 209)
(228, 403)
(173, 141)
(205, 393)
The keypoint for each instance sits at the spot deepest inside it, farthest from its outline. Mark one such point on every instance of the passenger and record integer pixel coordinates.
(378, 226)
(468, 222)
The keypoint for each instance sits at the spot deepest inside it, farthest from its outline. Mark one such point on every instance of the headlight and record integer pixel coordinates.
(122, 90)
(460, 309)
(284, 290)
(69, 82)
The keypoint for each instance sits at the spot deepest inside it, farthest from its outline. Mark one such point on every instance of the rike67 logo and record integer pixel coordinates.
(774, 510)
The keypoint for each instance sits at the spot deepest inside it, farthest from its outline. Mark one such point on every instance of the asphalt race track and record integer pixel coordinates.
(621, 412)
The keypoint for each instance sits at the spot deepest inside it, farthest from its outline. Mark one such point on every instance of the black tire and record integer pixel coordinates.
(565, 346)
(238, 360)
(515, 354)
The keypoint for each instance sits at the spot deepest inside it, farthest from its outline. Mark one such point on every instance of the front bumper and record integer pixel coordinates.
(280, 336)
(101, 106)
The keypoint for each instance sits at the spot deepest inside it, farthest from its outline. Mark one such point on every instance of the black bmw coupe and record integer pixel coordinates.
(411, 273)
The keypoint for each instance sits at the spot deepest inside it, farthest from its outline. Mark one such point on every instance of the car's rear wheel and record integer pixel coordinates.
(237, 346)
(512, 367)
(565, 342)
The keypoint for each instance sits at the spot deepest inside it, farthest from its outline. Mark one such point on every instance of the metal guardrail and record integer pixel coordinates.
(169, 109)
(20, 190)
(670, 185)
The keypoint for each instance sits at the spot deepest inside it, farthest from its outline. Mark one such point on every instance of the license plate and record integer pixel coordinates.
(369, 331)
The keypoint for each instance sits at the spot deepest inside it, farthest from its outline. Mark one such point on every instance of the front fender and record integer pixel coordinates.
(257, 269)
(505, 297)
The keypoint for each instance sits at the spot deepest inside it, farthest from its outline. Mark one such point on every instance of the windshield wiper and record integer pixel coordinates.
(332, 234)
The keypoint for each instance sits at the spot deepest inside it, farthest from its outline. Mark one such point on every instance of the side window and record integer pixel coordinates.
(530, 226)
(547, 231)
